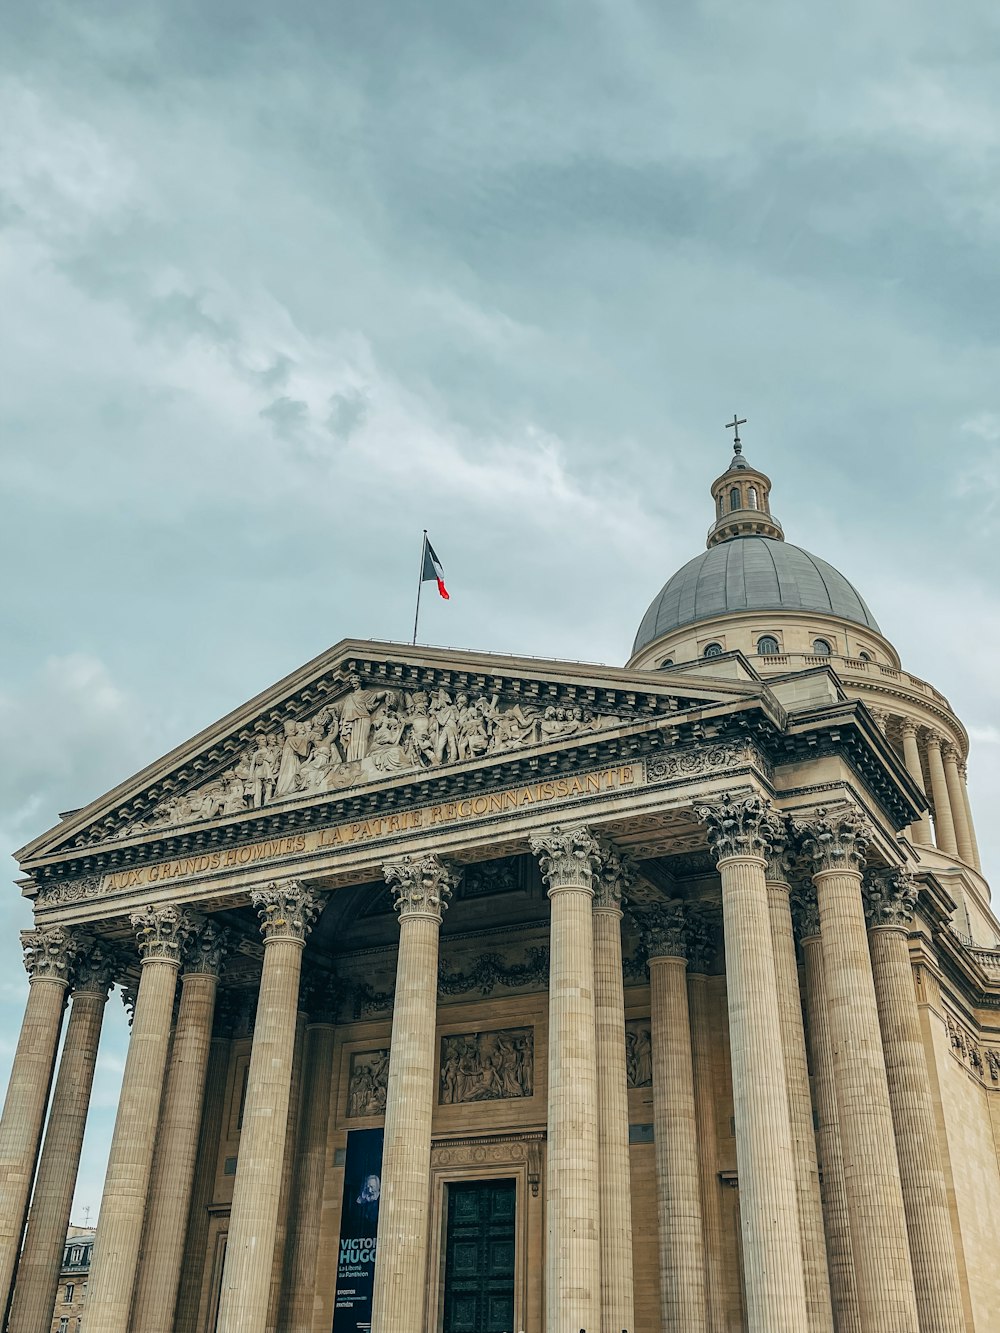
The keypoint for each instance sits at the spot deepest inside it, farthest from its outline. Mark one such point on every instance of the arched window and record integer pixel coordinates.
(667, 662)
(722, 504)
(864, 657)
(734, 498)
(713, 649)
(821, 648)
(753, 497)
(767, 645)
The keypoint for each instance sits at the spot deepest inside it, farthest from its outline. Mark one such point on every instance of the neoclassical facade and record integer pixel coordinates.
(474, 993)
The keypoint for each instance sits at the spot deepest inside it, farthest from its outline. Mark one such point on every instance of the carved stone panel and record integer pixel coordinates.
(366, 1088)
(487, 1066)
(639, 1053)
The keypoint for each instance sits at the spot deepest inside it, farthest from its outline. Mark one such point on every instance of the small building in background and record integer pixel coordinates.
(67, 1316)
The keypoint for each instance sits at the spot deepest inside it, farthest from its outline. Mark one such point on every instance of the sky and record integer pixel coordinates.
(284, 284)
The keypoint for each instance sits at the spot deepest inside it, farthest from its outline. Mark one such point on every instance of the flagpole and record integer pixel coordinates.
(420, 584)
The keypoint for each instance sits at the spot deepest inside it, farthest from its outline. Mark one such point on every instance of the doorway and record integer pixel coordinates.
(479, 1257)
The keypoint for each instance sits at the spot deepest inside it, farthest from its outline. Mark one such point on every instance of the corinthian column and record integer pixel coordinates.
(970, 822)
(177, 1140)
(287, 911)
(944, 825)
(843, 1285)
(835, 841)
(617, 1298)
(890, 900)
(956, 800)
(920, 829)
(45, 1238)
(48, 956)
(161, 933)
(568, 857)
(678, 1185)
(800, 1109)
(422, 887)
(739, 832)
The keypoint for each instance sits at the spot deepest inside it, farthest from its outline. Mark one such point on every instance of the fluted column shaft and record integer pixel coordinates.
(48, 956)
(307, 1214)
(678, 1183)
(287, 911)
(959, 809)
(920, 829)
(944, 824)
(159, 1275)
(837, 842)
(422, 888)
(837, 1226)
(617, 1298)
(45, 1238)
(970, 821)
(932, 1241)
(161, 934)
(704, 1038)
(800, 1109)
(568, 858)
(772, 1245)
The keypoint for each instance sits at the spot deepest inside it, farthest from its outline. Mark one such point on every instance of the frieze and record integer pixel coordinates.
(699, 761)
(368, 1084)
(369, 734)
(487, 1066)
(491, 970)
(984, 1062)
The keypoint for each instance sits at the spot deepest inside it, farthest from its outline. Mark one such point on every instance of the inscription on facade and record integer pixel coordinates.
(381, 826)
(487, 1066)
(366, 1090)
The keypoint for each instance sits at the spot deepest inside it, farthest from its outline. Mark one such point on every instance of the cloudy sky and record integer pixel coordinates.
(283, 284)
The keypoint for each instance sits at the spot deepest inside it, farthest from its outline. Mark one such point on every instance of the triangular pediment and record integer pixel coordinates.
(365, 713)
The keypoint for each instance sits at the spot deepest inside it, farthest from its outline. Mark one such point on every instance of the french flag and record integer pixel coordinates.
(433, 570)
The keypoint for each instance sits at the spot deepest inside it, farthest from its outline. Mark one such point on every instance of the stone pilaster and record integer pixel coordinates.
(569, 857)
(617, 1295)
(840, 1257)
(800, 1108)
(665, 932)
(739, 829)
(835, 842)
(890, 901)
(944, 824)
(169, 1199)
(45, 1237)
(161, 933)
(48, 957)
(287, 910)
(956, 800)
(920, 829)
(311, 1159)
(422, 887)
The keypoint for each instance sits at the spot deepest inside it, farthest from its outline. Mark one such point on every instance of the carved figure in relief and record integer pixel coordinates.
(369, 1081)
(445, 717)
(486, 1066)
(264, 763)
(638, 1056)
(356, 718)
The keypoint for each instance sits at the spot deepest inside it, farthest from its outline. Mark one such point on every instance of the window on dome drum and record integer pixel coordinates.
(753, 497)
(864, 657)
(734, 498)
(768, 646)
(821, 648)
(713, 650)
(667, 662)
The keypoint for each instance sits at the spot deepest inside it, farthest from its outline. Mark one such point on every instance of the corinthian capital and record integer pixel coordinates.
(615, 876)
(907, 727)
(740, 825)
(161, 932)
(890, 897)
(421, 885)
(568, 856)
(207, 949)
(95, 968)
(835, 838)
(48, 953)
(287, 910)
(666, 930)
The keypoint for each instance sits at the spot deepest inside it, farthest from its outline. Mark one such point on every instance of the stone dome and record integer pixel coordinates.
(751, 573)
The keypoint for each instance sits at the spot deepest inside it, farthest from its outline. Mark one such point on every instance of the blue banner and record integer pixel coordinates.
(352, 1307)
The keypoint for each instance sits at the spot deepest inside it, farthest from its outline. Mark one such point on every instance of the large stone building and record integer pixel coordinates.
(71, 1290)
(661, 998)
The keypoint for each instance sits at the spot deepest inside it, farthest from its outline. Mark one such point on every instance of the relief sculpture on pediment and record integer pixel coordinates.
(371, 733)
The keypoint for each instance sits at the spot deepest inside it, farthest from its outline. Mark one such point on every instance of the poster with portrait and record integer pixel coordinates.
(352, 1307)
